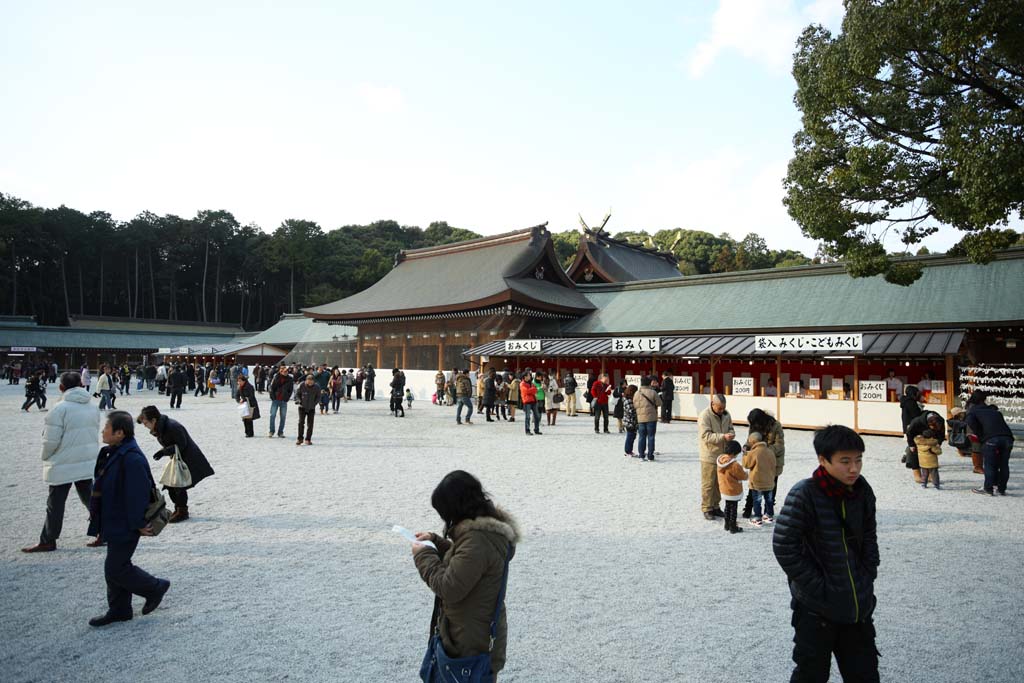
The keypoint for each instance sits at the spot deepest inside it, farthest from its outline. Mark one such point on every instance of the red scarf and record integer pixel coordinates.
(832, 487)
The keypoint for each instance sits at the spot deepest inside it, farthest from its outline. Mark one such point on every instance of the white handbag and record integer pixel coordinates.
(176, 474)
(245, 410)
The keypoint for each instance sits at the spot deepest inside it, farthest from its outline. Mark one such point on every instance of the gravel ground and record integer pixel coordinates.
(288, 568)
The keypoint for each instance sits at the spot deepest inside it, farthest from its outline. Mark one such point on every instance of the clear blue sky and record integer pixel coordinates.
(672, 114)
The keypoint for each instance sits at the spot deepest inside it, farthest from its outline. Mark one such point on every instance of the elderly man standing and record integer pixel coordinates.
(70, 443)
(714, 430)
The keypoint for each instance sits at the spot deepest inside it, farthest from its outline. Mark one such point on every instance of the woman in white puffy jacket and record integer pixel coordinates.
(70, 444)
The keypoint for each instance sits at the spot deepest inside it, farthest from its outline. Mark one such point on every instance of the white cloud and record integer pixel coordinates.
(764, 31)
(381, 99)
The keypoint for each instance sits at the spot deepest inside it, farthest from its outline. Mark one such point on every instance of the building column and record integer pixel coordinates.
(440, 354)
(711, 377)
(380, 353)
(602, 365)
(778, 388)
(855, 390)
(405, 351)
(359, 351)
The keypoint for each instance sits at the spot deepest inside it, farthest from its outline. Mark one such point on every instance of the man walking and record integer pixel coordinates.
(281, 388)
(307, 398)
(70, 444)
(668, 392)
(176, 386)
(713, 431)
(464, 397)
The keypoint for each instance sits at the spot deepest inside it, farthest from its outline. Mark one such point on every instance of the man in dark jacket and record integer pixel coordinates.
(117, 513)
(668, 392)
(490, 396)
(307, 398)
(281, 389)
(569, 384)
(927, 420)
(368, 389)
(176, 386)
(988, 426)
(397, 392)
(825, 540)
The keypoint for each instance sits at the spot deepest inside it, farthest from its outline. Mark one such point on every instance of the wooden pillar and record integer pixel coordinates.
(440, 354)
(405, 352)
(359, 351)
(654, 365)
(855, 390)
(380, 354)
(778, 388)
(602, 365)
(558, 368)
(711, 377)
(949, 384)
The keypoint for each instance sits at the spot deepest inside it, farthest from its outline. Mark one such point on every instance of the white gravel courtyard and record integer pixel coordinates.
(288, 569)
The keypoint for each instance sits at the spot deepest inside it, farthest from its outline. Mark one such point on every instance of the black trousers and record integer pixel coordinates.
(666, 411)
(815, 641)
(359, 391)
(396, 405)
(55, 502)
(599, 410)
(369, 391)
(306, 418)
(248, 427)
(178, 496)
(176, 398)
(124, 579)
(200, 389)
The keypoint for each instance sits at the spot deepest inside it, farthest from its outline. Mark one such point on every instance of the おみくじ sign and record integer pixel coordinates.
(522, 345)
(636, 344)
(872, 391)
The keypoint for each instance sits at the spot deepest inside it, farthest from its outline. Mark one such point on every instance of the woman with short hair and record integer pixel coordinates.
(172, 435)
(468, 573)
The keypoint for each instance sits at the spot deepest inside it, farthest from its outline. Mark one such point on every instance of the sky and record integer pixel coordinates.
(489, 116)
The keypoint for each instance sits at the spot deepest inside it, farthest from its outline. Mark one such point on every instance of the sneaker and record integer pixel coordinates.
(642, 458)
(270, 435)
(924, 486)
(280, 436)
(982, 492)
(651, 457)
(756, 523)
(939, 488)
(629, 455)
(529, 433)
(768, 519)
(299, 442)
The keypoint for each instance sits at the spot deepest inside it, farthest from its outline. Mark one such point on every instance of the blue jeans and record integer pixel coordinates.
(105, 399)
(630, 439)
(646, 430)
(274, 407)
(531, 409)
(995, 454)
(769, 503)
(464, 402)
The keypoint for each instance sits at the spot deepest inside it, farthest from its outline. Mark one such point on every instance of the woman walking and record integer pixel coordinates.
(172, 435)
(246, 394)
(120, 495)
(468, 574)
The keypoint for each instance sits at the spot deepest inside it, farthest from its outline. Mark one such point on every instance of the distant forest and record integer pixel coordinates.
(210, 268)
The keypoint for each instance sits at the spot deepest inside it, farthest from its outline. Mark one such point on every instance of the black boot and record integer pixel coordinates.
(748, 505)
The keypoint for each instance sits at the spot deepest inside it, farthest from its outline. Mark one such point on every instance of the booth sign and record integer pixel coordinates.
(873, 391)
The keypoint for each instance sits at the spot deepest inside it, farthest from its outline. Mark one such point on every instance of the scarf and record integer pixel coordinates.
(832, 487)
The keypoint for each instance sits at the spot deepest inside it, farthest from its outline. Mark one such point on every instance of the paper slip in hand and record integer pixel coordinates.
(411, 537)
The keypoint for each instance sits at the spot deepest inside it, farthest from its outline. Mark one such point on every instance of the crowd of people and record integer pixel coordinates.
(824, 534)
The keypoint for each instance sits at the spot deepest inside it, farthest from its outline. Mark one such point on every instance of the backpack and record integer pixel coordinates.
(958, 438)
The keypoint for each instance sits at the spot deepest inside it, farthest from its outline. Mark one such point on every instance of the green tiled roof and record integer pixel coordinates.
(70, 338)
(951, 293)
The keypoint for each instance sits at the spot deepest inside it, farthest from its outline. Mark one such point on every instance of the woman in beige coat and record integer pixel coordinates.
(467, 569)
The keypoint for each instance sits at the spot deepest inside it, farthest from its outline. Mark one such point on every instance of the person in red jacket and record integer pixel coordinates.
(528, 395)
(600, 390)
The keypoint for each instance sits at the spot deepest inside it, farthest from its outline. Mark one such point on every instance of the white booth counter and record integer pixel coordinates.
(689, 406)
(882, 417)
(809, 412)
(740, 406)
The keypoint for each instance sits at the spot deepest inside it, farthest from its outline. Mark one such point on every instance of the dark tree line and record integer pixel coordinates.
(62, 262)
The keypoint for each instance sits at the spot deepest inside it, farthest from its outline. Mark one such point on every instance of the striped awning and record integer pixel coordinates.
(890, 343)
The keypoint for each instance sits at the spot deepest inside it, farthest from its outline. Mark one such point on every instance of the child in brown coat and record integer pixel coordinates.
(730, 484)
(760, 460)
(928, 451)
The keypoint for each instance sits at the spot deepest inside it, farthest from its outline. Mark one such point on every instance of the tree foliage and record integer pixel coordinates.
(913, 118)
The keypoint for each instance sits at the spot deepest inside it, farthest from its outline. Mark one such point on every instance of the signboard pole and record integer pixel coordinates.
(711, 379)
(778, 388)
(856, 394)
(949, 384)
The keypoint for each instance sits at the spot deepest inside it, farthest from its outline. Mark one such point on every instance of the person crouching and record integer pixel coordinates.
(928, 451)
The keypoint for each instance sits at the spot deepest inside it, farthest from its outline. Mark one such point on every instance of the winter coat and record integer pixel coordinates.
(125, 485)
(539, 390)
(71, 439)
(282, 387)
(528, 392)
(776, 441)
(549, 395)
(599, 392)
(928, 452)
(730, 477)
(711, 431)
(828, 548)
(490, 392)
(513, 391)
(103, 383)
(668, 390)
(909, 409)
(619, 410)
(398, 385)
(986, 422)
(463, 386)
(439, 382)
(465, 574)
(308, 397)
(761, 462)
(647, 403)
(171, 433)
(247, 393)
(569, 384)
(920, 423)
(176, 380)
(629, 418)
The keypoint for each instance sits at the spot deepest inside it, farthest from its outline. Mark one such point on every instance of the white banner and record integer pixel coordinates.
(636, 344)
(872, 391)
(684, 384)
(513, 345)
(798, 343)
(633, 379)
(742, 386)
(23, 349)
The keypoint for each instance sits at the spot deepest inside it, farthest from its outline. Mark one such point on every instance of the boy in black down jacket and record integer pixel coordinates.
(825, 541)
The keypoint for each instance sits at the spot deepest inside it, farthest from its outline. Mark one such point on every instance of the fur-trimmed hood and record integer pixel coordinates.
(501, 523)
(724, 460)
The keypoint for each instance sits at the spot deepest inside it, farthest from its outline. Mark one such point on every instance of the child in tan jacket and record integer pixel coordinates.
(928, 451)
(760, 461)
(730, 483)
